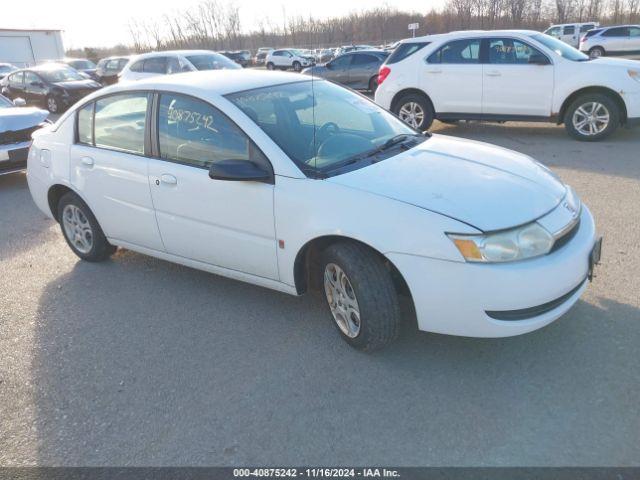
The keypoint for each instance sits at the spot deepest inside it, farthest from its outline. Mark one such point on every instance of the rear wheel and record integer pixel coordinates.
(596, 52)
(415, 110)
(81, 229)
(592, 117)
(361, 295)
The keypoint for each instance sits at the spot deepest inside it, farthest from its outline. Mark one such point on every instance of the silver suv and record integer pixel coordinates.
(618, 40)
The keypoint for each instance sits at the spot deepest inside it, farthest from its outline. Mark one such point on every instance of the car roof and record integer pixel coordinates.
(165, 53)
(220, 82)
(467, 34)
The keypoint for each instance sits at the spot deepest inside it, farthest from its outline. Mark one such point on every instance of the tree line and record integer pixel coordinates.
(217, 25)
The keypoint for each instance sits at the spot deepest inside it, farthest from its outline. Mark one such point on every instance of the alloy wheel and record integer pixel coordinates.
(412, 114)
(342, 300)
(77, 228)
(52, 105)
(591, 118)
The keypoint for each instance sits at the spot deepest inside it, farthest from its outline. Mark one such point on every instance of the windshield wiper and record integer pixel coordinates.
(392, 142)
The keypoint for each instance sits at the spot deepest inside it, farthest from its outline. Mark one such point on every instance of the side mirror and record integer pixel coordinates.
(329, 65)
(538, 59)
(239, 171)
(19, 102)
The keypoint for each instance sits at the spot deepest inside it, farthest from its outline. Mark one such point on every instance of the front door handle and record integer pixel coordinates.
(434, 71)
(168, 179)
(493, 74)
(87, 161)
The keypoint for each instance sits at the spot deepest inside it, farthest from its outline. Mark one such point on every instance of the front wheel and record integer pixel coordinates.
(361, 296)
(592, 117)
(81, 229)
(270, 66)
(415, 110)
(297, 66)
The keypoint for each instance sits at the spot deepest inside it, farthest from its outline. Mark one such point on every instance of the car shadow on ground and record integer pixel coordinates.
(140, 361)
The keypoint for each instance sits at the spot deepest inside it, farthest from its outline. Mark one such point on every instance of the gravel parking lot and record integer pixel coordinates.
(137, 361)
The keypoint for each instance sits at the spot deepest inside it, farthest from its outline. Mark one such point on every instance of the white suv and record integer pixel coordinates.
(165, 63)
(289, 58)
(509, 75)
(570, 32)
(620, 40)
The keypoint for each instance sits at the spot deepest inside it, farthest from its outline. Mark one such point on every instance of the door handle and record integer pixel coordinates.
(168, 179)
(493, 74)
(434, 71)
(87, 161)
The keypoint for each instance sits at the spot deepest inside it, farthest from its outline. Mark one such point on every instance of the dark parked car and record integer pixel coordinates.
(357, 69)
(51, 86)
(82, 65)
(241, 58)
(16, 126)
(6, 69)
(108, 69)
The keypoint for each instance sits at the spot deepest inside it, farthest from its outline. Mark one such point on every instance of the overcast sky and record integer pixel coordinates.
(104, 22)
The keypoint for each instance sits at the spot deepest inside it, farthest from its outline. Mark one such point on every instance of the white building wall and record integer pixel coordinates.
(29, 47)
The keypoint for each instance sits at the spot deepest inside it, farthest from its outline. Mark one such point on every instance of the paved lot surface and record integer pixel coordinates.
(140, 362)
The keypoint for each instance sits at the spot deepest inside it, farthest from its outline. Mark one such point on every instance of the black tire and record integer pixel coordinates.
(424, 104)
(52, 104)
(101, 249)
(596, 52)
(374, 291)
(297, 66)
(270, 66)
(373, 84)
(609, 104)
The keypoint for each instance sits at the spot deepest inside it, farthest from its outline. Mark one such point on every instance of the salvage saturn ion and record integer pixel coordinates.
(297, 183)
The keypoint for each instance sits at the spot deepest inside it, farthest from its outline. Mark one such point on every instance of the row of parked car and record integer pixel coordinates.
(598, 41)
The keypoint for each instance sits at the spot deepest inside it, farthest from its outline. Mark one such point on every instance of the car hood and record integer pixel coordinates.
(78, 84)
(21, 118)
(488, 187)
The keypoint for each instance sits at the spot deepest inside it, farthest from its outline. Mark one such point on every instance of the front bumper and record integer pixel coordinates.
(460, 298)
(13, 157)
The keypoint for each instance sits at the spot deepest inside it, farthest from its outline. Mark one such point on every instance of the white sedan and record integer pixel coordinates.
(293, 183)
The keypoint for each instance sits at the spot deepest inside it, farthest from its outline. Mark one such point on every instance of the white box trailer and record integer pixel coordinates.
(25, 48)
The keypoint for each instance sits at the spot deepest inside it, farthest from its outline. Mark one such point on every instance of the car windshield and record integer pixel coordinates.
(324, 128)
(211, 61)
(82, 64)
(60, 75)
(560, 48)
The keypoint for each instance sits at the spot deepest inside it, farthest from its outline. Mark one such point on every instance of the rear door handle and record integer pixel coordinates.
(434, 71)
(87, 161)
(168, 179)
(493, 74)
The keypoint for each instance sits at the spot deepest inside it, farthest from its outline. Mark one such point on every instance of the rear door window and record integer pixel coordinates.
(155, 65)
(458, 52)
(617, 32)
(569, 30)
(120, 122)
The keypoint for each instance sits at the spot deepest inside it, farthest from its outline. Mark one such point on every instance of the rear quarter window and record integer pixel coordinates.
(405, 50)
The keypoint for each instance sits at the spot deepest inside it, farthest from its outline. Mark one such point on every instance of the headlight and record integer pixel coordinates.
(635, 74)
(528, 241)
